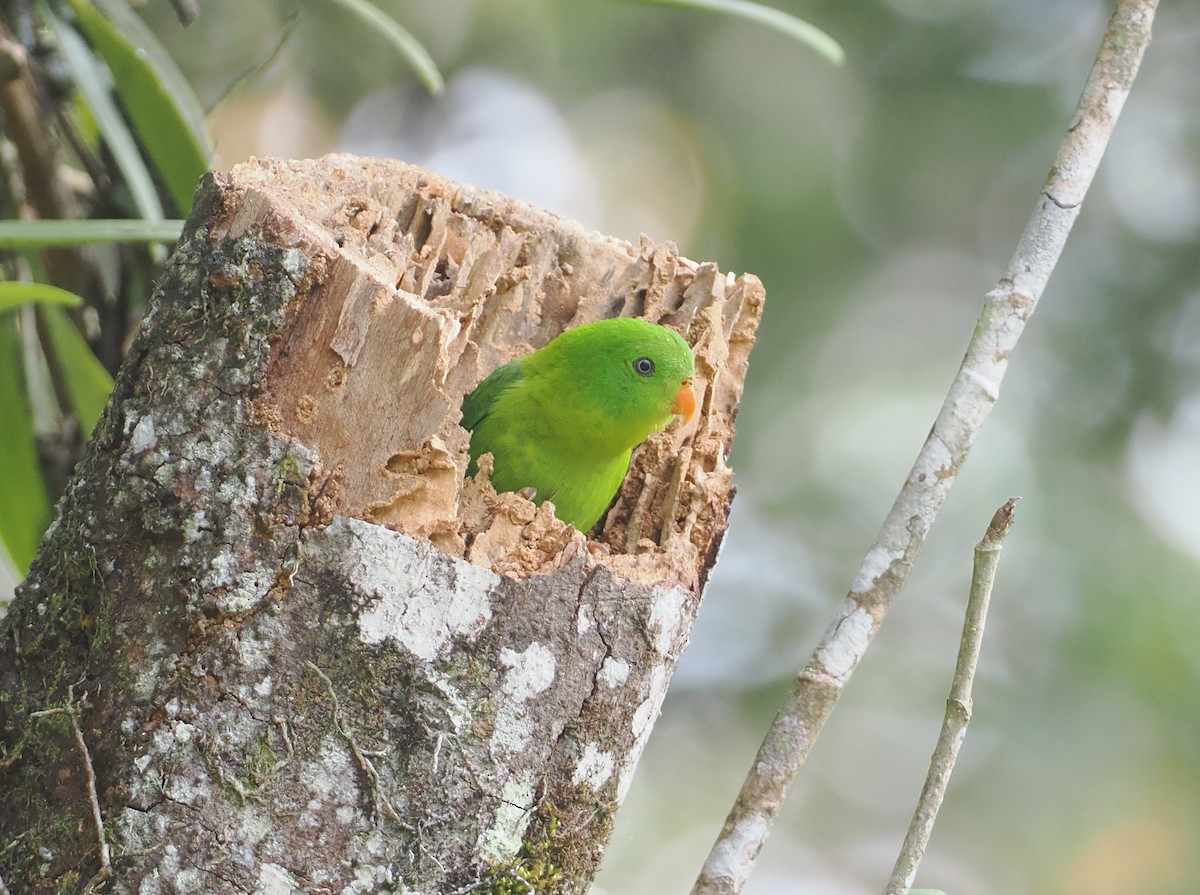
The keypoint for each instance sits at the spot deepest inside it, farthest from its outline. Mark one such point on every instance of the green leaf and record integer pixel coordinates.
(24, 504)
(88, 383)
(91, 79)
(41, 234)
(797, 29)
(408, 47)
(162, 106)
(13, 295)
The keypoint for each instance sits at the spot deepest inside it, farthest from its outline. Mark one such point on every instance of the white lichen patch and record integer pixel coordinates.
(594, 768)
(613, 672)
(143, 437)
(529, 672)
(733, 858)
(503, 838)
(417, 595)
(667, 618)
(275, 880)
(849, 642)
(183, 732)
(585, 618)
(877, 561)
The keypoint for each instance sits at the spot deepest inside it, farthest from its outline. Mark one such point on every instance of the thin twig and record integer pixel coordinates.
(71, 712)
(958, 706)
(975, 389)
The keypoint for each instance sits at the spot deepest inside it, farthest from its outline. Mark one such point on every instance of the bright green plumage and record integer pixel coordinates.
(565, 419)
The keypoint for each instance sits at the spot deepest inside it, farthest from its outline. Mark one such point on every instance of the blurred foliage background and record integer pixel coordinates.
(878, 202)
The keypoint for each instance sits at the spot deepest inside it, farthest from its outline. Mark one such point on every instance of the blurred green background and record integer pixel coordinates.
(878, 202)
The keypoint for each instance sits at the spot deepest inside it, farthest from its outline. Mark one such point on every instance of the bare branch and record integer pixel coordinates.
(958, 706)
(975, 389)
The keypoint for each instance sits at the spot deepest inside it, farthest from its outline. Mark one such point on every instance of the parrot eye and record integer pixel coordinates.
(643, 366)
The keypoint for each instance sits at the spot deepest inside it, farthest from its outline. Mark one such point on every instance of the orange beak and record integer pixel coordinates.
(685, 401)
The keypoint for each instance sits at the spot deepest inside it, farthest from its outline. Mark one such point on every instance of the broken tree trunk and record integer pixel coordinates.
(273, 642)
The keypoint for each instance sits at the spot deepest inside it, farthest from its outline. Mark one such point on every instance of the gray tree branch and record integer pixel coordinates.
(974, 391)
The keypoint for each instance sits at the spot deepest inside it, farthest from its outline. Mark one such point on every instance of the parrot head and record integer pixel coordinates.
(624, 377)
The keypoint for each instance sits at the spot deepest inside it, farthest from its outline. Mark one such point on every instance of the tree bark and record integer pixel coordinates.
(273, 641)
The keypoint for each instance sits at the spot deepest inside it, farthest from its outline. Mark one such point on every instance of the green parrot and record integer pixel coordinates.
(564, 420)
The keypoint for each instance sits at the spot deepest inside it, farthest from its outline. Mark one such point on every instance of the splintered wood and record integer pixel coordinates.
(424, 287)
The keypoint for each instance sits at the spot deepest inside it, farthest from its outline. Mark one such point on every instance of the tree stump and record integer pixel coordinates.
(274, 642)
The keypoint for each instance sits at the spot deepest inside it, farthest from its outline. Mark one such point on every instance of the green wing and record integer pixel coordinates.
(478, 405)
